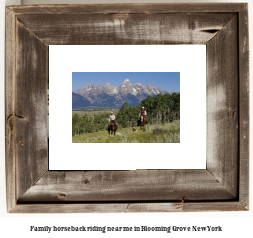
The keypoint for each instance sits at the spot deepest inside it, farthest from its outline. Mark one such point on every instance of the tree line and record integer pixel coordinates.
(88, 124)
(160, 109)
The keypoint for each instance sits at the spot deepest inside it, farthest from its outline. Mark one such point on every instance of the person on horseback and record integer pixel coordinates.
(111, 119)
(142, 113)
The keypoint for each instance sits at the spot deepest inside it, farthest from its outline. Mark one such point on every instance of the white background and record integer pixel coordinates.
(235, 224)
(190, 153)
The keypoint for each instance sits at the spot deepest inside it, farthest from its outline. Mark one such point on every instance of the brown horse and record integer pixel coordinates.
(142, 121)
(112, 128)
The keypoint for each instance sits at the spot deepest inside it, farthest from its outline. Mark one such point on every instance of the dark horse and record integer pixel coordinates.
(142, 121)
(112, 128)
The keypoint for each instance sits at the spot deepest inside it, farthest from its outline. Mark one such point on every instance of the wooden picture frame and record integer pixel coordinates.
(222, 186)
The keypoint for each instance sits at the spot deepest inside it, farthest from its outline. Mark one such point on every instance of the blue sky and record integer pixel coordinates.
(169, 81)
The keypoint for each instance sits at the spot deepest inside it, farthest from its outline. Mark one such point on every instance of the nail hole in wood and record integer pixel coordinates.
(86, 181)
(61, 195)
(183, 199)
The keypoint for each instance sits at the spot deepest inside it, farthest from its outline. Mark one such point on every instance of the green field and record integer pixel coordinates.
(165, 133)
(91, 113)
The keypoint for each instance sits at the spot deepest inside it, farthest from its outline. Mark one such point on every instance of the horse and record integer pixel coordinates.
(112, 128)
(142, 121)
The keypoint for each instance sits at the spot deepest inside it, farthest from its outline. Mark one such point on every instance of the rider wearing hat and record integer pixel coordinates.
(142, 113)
(111, 118)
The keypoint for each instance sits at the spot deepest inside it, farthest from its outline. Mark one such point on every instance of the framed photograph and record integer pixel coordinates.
(160, 86)
(58, 58)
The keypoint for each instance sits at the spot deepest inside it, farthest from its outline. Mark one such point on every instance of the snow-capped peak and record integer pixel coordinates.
(126, 81)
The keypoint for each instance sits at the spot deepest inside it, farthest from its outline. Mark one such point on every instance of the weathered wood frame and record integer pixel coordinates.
(222, 186)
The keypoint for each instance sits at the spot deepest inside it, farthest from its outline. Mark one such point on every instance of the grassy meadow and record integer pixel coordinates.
(163, 133)
(163, 113)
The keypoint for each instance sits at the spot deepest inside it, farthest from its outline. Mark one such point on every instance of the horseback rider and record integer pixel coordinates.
(142, 114)
(111, 119)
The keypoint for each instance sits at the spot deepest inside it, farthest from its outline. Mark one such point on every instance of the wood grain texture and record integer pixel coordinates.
(9, 109)
(186, 207)
(120, 29)
(129, 8)
(244, 106)
(129, 207)
(223, 186)
(139, 185)
(223, 107)
(30, 108)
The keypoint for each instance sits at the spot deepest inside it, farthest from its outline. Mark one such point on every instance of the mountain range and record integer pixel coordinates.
(91, 96)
